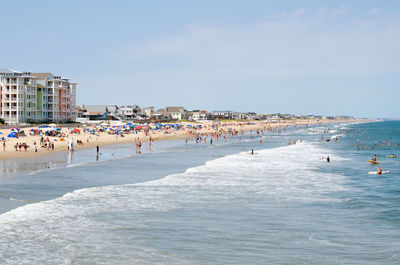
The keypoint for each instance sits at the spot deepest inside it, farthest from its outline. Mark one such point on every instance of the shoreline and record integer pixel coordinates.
(104, 139)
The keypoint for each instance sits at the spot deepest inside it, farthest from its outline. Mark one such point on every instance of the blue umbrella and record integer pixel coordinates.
(12, 135)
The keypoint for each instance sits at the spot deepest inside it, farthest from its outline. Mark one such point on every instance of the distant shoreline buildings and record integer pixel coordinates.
(28, 97)
(134, 113)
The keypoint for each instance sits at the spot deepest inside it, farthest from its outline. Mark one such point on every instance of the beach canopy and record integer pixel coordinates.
(12, 135)
(48, 129)
(44, 126)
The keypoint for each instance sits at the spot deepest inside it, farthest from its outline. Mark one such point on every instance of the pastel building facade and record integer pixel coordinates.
(36, 97)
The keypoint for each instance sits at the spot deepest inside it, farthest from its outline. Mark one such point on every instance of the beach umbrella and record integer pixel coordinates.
(12, 135)
(1, 133)
(44, 126)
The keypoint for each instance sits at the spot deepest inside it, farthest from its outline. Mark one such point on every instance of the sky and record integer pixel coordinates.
(304, 57)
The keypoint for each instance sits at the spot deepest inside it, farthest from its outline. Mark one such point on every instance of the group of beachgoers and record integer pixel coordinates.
(58, 139)
(374, 161)
(19, 146)
(361, 133)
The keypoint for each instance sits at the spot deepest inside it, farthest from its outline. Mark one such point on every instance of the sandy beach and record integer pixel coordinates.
(90, 140)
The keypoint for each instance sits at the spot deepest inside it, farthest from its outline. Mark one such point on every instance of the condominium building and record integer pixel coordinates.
(36, 97)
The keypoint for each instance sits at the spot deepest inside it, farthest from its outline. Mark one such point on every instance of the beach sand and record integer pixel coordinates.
(91, 141)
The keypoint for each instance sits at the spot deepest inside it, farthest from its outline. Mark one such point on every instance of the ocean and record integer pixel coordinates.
(210, 203)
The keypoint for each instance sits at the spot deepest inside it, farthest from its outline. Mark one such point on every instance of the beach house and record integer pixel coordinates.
(222, 115)
(198, 115)
(176, 113)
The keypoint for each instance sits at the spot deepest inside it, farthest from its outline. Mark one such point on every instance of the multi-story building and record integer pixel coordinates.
(36, 97)
(59, 97)
(18, 97)
(176, 113)
(198, 115)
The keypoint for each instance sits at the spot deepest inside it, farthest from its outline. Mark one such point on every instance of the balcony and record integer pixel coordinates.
(13, 91)
(12, 100)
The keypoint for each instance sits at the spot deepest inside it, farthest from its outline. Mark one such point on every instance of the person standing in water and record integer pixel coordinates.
(328, 159)
(252, 152)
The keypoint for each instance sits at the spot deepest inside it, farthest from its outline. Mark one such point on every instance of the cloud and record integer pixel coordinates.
(322, 60)
(299, 12)
(293, 45)
(373, 11)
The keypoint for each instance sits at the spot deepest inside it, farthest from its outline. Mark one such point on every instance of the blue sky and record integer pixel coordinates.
(320, 57)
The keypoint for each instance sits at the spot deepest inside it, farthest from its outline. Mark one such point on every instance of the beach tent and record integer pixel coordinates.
(48, 129)
(12, 135)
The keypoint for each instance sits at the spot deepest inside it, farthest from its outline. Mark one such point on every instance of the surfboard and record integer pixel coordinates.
(373, 162)
(391, 156)
(376, 173)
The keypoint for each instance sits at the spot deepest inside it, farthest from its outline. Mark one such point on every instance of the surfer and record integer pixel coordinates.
(328, 159)
(252, 152)
(374, 158)
(379, 171)
(394, 156)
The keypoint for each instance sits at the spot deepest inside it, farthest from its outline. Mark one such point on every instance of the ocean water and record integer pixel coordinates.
(210, 204)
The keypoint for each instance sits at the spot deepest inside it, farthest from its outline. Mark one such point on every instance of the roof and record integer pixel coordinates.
(96, 108)
(13, 73)
(174, 109)
(9, 71)
(112, 108)
(42, 75)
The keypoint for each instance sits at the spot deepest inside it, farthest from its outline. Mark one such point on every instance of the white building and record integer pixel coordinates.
(35, 97)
